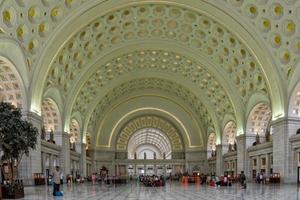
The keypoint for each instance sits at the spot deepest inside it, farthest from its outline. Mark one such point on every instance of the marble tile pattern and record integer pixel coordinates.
(175, 190)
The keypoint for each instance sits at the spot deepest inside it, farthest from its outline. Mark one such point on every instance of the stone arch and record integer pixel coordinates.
(144, 122)
(211, 144)
(228, 136)
(75, 135)
(51, 115)
(154, 137)
(52, 122)
(258, 122)
(12, 88)
(54, 94)
(78, 117)
(199, 8)
(294, 102)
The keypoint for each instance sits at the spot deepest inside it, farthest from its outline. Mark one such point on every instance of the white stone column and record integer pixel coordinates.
(65, 154)
(83, 160)
(241, 154)
(258, 164)
(283, 154)
(219, 161)
(267, 165)
(32, 163)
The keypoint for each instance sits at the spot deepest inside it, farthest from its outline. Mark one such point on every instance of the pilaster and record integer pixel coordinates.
(283, 154)
(241, 154)
(65, 154)
(83, 160)
(32, 163)
(219, 161)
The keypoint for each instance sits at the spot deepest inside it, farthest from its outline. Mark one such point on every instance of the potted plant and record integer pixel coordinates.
(17, 137)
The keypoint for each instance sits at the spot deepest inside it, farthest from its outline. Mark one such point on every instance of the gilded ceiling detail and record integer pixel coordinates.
(31, 22)
(165, 62)
(278, 22)
(146, 22)
(149, 122)
(170, 88)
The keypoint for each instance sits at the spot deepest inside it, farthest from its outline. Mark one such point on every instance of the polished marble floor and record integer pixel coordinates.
(134, 191)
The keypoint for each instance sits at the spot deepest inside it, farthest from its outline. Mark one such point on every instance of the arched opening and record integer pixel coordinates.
(149, 143)
(294, 104)
(75, 142)
(228, 139)
(211, 145)
(258, 125)
(11, 85)
(51, 121)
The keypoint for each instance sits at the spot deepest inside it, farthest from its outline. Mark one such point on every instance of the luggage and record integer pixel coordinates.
(58, 194)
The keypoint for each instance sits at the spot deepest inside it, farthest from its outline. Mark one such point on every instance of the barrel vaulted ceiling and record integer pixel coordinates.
(213, 56)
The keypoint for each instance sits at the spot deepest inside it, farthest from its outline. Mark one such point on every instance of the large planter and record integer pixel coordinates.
(12, 191)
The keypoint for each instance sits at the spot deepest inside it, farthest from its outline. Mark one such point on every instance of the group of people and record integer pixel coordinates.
(225, 180)
(153, 181)
(260, 178)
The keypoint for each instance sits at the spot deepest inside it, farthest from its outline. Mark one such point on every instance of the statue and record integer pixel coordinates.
(257, 140)
(229, 147)
(51, 136)
(267, 135)
(43, 133)
(135, 156)
(234, 146)
(145, 155)
(164, 156)
(154, 156)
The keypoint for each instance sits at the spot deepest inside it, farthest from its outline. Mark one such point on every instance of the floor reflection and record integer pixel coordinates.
(174, 190)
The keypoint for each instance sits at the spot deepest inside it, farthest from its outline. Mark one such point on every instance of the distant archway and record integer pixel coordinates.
(149, 141)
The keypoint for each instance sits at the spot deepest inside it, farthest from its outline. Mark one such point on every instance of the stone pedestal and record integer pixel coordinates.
(219, 161)
(32, 164)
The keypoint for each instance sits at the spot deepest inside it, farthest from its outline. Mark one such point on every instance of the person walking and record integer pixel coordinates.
(243, 180)
(56, 180)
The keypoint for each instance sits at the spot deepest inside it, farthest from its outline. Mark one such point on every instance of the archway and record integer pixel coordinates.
(228, 137)
(258, 124)
(294, 103)
(211, 145)
(11, 86)
(75, 141)
(51, 120)
(149, 143)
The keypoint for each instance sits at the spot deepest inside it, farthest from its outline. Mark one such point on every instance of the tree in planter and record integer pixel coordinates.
(17, 137)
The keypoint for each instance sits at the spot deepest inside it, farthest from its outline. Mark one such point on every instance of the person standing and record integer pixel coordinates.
(56, 180)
